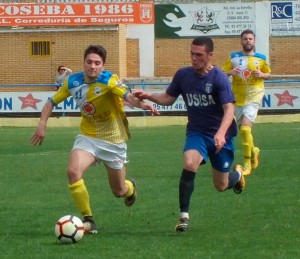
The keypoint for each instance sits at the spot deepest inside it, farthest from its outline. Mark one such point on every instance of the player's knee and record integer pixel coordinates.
(72, 175)
(190, 165)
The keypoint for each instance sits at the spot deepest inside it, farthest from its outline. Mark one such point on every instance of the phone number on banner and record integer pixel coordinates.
(178, 105)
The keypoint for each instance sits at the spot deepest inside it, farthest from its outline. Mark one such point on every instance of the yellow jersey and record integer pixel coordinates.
(246, 87)
(100, 104)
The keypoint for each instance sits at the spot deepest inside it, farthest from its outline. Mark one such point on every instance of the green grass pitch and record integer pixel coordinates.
(262, 222)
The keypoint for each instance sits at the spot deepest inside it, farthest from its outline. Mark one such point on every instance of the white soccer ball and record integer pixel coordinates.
(69, 229)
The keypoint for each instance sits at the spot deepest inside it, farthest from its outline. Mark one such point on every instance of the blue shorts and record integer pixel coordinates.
(221, 161)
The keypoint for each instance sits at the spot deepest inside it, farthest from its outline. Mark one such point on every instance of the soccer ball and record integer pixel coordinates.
(69, 229)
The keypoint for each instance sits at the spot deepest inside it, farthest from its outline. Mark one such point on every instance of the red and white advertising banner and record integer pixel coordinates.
(76, 14)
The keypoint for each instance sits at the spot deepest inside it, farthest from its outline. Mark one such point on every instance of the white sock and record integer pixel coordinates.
(240, 173)
(184, 215)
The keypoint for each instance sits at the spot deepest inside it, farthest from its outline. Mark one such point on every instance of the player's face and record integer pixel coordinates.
(201, 59)
(248, 42)
(93, 65)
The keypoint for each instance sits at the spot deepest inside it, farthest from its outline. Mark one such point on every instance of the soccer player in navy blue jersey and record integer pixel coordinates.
(211, 126)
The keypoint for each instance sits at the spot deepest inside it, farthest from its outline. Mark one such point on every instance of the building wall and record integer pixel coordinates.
(130, 53)
(19, 67)
(284, 54)
(133, 61)
(168, 60)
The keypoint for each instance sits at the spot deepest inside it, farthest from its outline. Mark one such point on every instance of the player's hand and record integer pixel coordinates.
(236, 71)
(141, 94)
(257, 73)
(38, 136)
(219, 142)
(148, 106)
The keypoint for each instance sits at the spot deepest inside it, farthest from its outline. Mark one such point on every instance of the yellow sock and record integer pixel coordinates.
(81, 197)
(247, 143)
(130, 188)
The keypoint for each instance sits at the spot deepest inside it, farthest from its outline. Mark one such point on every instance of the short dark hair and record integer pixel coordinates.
(248, 31)
(96, 49)
(204, 41)
(59, 68)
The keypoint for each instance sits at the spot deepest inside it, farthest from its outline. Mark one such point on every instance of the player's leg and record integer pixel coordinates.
(80, 160)
(221, 163)
(228, 180)
(121, 187)
(247, 146)
(192, 159)
(114, 158)
(250, 152)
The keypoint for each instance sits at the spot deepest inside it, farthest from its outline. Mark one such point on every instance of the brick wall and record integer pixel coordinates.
(285, 55)
(169, 59)
(122, 53)
(19, 67)
(133, 58)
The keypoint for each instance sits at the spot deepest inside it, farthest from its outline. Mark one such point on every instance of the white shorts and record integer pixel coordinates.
(112, 154)
(250, 111)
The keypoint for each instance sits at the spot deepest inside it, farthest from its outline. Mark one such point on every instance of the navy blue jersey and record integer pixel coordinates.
(204, 97)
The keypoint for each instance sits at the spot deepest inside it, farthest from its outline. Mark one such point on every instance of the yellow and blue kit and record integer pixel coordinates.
(100, 103)
(246, 87)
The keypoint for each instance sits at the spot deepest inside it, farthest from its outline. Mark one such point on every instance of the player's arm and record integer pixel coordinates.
(259, 74)
(225, 124)
(229, 70)
(130, 98)
(40, 132)
(159, 98)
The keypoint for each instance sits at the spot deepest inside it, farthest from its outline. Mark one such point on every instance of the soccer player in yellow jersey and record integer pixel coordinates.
(104, 129)
(248, 70)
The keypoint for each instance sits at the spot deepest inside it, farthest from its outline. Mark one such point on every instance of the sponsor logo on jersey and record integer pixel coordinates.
(199, 100)
(88, 108)
(246, 73)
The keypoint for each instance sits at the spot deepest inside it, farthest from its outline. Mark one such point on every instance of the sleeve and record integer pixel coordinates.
(227, 66)
(62, 94)
(265, 68)
(174, 87)
(118, 88)
(225, 91)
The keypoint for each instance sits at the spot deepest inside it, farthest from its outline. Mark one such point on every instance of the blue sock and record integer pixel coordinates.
(233, 178)
(186, 188)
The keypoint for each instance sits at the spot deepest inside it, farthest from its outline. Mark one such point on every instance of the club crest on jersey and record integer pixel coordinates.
(246, 73)
(208, 88)
(88, 108)
(97, 91)
(76, 83)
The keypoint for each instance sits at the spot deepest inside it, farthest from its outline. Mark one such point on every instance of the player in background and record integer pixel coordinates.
(248, 70)
(62, 74)
(211, 127)
(104, 129)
